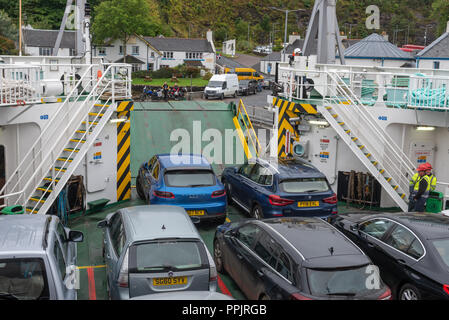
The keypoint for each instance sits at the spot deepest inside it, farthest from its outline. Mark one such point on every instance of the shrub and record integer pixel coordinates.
(163, 73)
(141, 74)
(207, 76)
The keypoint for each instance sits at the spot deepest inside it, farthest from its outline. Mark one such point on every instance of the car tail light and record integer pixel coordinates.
(124, 274)
(386, 295)
(219, 193)
(164, 195)
(297, 296)
(331, 200)
(279, 202)
(446, 288)
(213, 274)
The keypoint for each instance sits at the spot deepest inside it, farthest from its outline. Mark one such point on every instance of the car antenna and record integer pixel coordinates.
(331, 250)
(163, 227)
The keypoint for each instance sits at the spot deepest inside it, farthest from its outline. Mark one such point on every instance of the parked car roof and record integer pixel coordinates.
(159, 221)
(22, 232)
(184, 160)
(317, 241)
(295, 169)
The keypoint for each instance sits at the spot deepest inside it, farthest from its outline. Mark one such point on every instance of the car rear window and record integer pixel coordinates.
(189, 178)
(442, 247)
(160, 256)
(340, 282)
(302, 185)
(23, 279)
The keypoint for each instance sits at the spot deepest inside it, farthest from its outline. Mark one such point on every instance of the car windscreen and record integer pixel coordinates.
(215, 84)
(167, 255)
(342, 282)
(23, 279)
(189, 178)
(442, 246)
(301, 185)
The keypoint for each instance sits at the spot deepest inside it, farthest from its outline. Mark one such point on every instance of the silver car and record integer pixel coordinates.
(155, 249)
(186, 295)
(37, 258)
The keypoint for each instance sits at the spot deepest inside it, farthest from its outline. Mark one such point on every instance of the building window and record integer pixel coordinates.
(436, 65)
(135, 67)
(194, 55)
(45, 51)
(152, 54)
(121, 51)
(102, 51)
(168, 55)
(135, 51)
(72, 52)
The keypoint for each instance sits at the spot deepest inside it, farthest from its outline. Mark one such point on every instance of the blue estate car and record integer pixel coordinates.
(187, 181)
(292, 188)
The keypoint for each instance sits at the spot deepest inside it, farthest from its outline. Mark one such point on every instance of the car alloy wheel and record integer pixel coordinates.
(409, 292)
(257, 212)
(218, 257)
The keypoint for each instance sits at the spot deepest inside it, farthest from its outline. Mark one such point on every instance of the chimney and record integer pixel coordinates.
(210, 38)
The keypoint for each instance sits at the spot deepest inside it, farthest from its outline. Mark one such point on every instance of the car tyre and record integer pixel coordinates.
(139, 189)
(257, 212)
(409, 292)
(228, 189)
(222, 96)
(218, 257)
(221, 220)
(235, 94)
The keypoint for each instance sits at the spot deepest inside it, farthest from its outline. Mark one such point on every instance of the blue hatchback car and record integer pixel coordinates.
(292, 188)
(187, 181)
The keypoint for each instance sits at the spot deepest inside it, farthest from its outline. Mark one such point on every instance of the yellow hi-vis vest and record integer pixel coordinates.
(419, 180)
(433, 182)
(414, 179)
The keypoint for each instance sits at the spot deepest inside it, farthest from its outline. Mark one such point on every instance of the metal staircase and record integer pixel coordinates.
(375, 148)
(64, 142)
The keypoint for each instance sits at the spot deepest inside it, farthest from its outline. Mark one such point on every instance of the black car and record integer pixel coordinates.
(295, 259)
(247, 87)
(411, 250)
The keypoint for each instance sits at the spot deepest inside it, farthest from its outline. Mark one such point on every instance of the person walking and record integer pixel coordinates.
(432, 178)
(421, 190)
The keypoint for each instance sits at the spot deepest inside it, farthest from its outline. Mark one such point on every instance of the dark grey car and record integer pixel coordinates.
(155, 249)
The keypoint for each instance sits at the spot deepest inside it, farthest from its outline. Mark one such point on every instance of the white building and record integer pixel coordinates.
(153, 53)
(376, 51)
(39, 42)
(436, 55)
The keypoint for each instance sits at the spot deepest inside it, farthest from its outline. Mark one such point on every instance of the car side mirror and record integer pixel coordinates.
(103, 224)
(195, 220)
(354, 227)
(76, 236)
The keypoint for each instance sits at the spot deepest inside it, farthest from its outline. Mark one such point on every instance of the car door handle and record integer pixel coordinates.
(108, 256)
(371, 245)
(239, 256)
(402, 262)
(260, 273)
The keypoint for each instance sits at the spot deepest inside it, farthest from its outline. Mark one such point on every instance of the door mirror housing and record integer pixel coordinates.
(354, 227)
(76, 236)
(103, 224)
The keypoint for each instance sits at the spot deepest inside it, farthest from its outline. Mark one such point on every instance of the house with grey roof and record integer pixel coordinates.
(153, 53)
(375, 50)
(39, 42)
(435, 55)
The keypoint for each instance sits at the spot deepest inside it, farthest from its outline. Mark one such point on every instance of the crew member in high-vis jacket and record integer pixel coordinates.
(420, 190)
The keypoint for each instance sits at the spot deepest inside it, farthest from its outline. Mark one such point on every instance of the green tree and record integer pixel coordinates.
(7, 27)
(122, 19)
(441, 14)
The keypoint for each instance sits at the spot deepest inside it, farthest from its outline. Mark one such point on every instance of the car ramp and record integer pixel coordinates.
(216, 129)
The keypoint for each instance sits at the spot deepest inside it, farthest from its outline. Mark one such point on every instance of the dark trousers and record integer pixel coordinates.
(420, 204)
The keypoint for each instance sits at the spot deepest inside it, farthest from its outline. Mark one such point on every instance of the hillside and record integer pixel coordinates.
(230, 18)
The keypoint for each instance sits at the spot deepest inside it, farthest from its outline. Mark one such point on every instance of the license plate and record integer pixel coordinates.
(306, 204)
(169, 281)
(196, 212)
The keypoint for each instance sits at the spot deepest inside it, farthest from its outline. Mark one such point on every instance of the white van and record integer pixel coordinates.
(221, 86)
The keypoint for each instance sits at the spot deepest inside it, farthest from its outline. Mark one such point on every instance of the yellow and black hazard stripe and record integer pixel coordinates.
(288, 110)
(124, 151)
